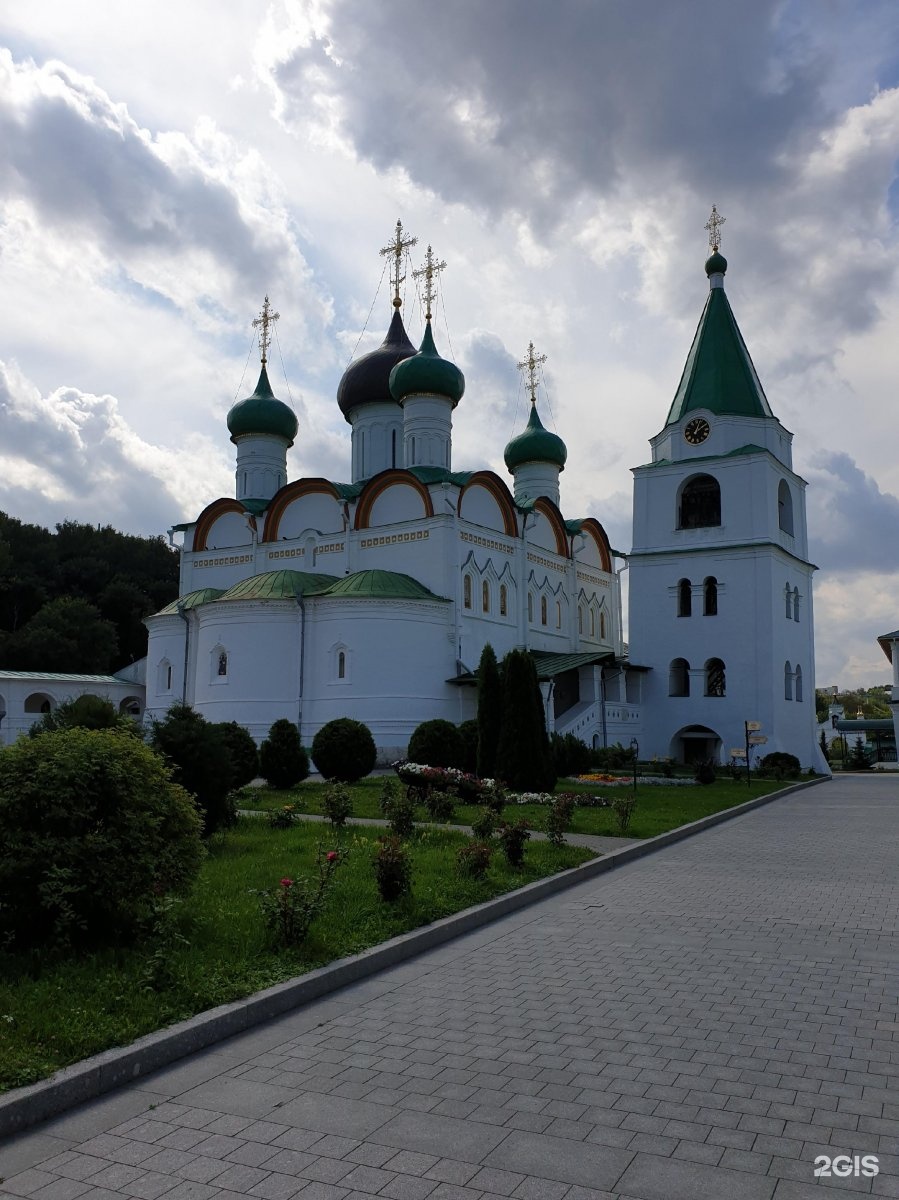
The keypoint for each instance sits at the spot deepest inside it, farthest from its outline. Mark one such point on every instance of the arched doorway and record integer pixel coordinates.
(39, 703)
(131, 707)
(694, 743)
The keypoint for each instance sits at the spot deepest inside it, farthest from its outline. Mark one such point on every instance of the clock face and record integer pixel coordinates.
(697, 430)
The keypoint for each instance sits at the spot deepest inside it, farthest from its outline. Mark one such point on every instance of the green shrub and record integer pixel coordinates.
(441, 805)
(473, 859)
(558, 817)
(484, 825)
(284, 817)
(468, 732)
(623, 808)
(244, 755)
(512, 839)
(337, 804)
(490, 712)
(393, 868)
(400, 814)
(93, 831)
(290, 909)
(605, 758)
(282, 760)
(704, 771)
(436, 744)
(570, 755)
(84, 712)
(201, 763)
(344, 750)
(387, 795)
(523, 757)
(787, 765)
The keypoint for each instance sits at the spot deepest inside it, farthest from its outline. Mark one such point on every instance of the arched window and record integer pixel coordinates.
(684, 598)
(222, 667)
(558, 614)
(602, 626)
(503, 600)
(580, 618)
(788, 682)
(788, 600)
(785, 507)
(679, 677)
(700, 503)
(466, 591)
(531, 607)
(714, 677)
(543, 615)
(164, 676)
(485, 596)
(341, 664)
(798, 681)
(168, 677)
(795, 603)
(710, 597)
(592, 623)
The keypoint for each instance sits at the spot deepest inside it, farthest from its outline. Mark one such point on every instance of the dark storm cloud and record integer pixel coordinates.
(853, 525)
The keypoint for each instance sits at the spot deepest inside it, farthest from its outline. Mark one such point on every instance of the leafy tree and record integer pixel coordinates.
(523, 756)
(824, 748)
(201, 763)
(65, 635)
(858, 759)
(282, 760)
(490, 712)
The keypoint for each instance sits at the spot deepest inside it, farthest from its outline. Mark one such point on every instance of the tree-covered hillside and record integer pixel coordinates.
(73, 600)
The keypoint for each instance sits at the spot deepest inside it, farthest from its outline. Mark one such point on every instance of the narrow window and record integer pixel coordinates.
(413, 451)
(341, 665)
(795, 603)
(542, 610)
(788, 682)
(710, 597)
(798, 679)
(785, 507)
(700, 503)
(531, 606)
(602, 626)
(485, 596)
(466, 592)
(788, 600)
(580, 618)
(592, 623)
(168, 678)
(362, 453)
(503, 600)
(684, 598)
(393, 447)
(558, 615)
(714, 677)
(679, 677)
(223, 663)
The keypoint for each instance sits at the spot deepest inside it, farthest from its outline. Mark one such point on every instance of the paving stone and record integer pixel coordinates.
(449, 1170)
(558, 1158)
(654, 1178)
(444, 1136)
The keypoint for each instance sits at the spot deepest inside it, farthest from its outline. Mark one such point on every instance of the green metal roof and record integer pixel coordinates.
(277, 585)
(440, 475)
(549, 665)
(535, 444)
(61, 677)
(719, 375)
(869, 724)
(191, 600)
(426, 373)
(378, 585)
(263, 412)
(740, 450)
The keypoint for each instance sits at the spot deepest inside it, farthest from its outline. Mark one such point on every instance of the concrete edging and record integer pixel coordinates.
(104, 1072)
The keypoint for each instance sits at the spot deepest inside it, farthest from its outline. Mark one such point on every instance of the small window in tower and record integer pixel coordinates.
(710, 597)
(222, 663)
(341, 665)
(798, 683)
(531, 607)
(684, 598)
(168, 677)
(485, 596)
(503, 600)
(558, 615)
(714, 677)
(785, 507)
(788, 682)
(466, 592)
(700, 503)
(543, 612)
(788, 600)
(580, 618)
(592, 623)
(602, 626)
(795, 603)
(393, 447)
(679, 677)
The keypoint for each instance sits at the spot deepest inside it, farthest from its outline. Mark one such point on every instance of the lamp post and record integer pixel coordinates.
(635, 747)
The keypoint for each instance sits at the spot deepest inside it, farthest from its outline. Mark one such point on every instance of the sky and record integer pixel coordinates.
(164, 166)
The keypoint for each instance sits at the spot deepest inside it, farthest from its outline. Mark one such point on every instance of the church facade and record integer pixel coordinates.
(374, 598)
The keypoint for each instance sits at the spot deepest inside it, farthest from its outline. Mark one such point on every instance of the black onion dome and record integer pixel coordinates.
(367, 380)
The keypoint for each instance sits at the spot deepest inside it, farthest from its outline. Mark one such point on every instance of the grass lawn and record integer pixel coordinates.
(54, 1012)
(658, 808)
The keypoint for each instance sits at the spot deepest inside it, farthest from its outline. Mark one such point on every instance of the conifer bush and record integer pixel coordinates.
(201, 763)
(780, 765)
(436, 743)
(468, 732)
(93, 834)
(523, 756)
(344, 750)
(244, 755)
(283, 761)
(490, 712)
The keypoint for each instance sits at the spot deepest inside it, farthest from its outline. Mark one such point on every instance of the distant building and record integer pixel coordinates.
(26, 695)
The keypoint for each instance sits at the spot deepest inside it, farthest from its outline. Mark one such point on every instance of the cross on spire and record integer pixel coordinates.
(264, 322)
(713, 225)
(429, 272)
(530, 364)
(397, 248)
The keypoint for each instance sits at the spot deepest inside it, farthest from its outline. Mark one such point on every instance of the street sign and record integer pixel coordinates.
(753, 726)
(757, 739)
(738, 752)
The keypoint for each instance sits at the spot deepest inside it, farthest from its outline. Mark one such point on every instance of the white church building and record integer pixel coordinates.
(373, 598)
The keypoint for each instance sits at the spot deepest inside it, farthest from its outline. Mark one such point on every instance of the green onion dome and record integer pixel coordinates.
(427, 374)
(715, 264)
(367, 380)
(263, 412)
(535, 444)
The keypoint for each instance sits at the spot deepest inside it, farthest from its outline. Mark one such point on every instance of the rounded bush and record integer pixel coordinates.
(778, 761)
(92, 833)
(283, 760)
(244, 755)
(436, 744)
(344, 750)
(201, 762)
(468, 732)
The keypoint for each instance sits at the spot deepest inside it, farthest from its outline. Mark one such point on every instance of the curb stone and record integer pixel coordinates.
(102, 1073)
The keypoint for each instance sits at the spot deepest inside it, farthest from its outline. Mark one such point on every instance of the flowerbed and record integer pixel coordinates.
(628, 780)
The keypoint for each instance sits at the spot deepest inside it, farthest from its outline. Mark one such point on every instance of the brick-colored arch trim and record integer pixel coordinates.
(380, 483)
(492, 483)
(210, 515)
(557, 521)
(596, 531)
(287, 495)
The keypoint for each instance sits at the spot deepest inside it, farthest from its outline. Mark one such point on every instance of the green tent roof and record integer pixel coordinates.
(191, 600)
(378, 585)
(278, 585)
(719, 375)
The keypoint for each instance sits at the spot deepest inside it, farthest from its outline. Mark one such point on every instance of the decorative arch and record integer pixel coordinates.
(797, 680)
(492, 483)
(209, 516)
(710, 596)
(131, 706)
(38, 703)
(379, 484)
(679, 677)
(557, 523)
(788, 681)
(290, 493)
(785, 507)
(715, 679)
(684, 598)
(593, 528)
(699, 503)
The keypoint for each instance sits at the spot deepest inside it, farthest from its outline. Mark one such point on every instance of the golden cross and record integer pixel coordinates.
(530, 364)
(713, 225)
(397, 248)
(430, 271)
(264, 321)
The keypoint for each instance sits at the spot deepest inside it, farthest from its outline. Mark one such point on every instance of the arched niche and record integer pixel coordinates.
(304, 504)
(485, 500)
(391, 498)
(222, 524)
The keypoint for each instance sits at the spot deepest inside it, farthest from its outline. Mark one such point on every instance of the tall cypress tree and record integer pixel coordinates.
(523, 757)
(490, 711)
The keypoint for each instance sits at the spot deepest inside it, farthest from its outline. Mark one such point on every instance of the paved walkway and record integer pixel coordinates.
(697, 1025)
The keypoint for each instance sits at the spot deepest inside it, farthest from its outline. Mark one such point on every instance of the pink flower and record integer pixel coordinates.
(332, 854)
(286, 883)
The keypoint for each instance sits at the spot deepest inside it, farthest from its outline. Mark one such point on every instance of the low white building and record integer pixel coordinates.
(26, 695)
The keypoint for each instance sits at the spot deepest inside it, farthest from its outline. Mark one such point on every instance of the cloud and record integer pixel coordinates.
(853, 525)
